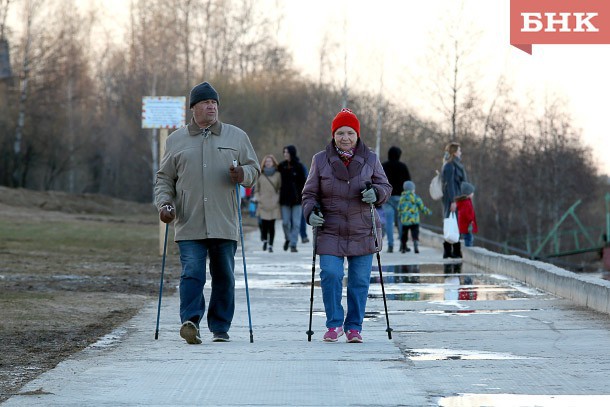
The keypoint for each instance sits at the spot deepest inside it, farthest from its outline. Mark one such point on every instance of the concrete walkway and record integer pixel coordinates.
(522, 348)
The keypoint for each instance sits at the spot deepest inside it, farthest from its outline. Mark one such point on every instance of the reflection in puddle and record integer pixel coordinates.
(445, 282)
(511, 400)
(459, 354)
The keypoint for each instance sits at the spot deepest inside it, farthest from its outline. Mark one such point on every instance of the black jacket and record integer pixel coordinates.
(396, 171)
(293, 179)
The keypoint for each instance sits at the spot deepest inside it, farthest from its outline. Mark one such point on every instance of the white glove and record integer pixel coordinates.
(369, 196)
(316, 220)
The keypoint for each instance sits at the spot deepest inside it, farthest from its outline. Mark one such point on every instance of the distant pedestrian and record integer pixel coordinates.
(453, 176)
(467, 220)
(293, 179)
(397, 173)
(338, 183)
(410, 206)
(267, 197)
(196, 186)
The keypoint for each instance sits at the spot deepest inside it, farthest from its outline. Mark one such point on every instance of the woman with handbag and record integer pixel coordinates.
(267, 197)
(453, 176)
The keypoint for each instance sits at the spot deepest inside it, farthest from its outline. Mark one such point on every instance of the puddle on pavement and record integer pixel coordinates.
(451, 281)
(458, 354)
(511, 400)
(445, 282)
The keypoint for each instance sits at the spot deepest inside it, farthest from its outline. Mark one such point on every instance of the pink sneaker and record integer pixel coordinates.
(333, 334)
(353, 336)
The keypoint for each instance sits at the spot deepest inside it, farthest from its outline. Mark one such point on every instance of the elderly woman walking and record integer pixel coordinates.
(338, 182)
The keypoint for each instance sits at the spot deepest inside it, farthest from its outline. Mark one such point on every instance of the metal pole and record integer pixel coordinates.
(243, 255)
(161, 283)
(385, 305)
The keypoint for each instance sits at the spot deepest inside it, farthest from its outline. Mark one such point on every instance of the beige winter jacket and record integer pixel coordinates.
(194, 178)
(267, 194)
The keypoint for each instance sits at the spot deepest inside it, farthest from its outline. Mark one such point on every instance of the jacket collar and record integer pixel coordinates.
(195, 130)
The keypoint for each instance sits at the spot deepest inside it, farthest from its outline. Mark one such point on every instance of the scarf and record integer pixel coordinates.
(346, 156)
(269, 171)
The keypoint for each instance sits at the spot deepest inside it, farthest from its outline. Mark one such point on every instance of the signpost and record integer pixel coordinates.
(162, 112)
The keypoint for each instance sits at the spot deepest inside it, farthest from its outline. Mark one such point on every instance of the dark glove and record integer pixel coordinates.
(167, 213)
(369, 196)
(316, 220)
(237, 174)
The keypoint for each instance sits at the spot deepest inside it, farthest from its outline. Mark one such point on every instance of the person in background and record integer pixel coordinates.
(410, 206)
(293, 179)
(467, 220)
(196, 187)
(338, 185)
(397, 173)
(267, 197)
(453, 175)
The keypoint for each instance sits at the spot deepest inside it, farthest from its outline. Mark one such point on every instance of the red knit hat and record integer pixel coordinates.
(345, 118)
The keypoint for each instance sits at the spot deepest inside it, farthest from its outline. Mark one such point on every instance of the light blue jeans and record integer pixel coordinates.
(291, 222)
(193, 254)
(358, 281)
(391, 218)
(468, 239)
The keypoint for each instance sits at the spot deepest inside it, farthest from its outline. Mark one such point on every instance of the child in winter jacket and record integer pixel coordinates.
(409, 207)
(467, 221)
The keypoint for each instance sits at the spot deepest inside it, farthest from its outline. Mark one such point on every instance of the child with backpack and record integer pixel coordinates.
(409, 207)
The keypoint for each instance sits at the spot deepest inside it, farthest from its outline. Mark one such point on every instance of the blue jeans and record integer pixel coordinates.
(468, 239)
(193, 254)
(291, 222)
(391, 218)
(358, 281)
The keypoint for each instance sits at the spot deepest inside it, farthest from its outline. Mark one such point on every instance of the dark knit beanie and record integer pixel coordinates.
(345, 118)
(467, 188)
(203, 91)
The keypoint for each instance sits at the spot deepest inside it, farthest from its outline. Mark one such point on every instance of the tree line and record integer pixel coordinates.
(70, 109)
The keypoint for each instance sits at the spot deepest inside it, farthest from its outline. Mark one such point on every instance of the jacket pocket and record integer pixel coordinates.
(229, 154)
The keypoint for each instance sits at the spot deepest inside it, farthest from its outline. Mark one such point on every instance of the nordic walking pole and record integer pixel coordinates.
(161, 283)
(385, 305)
(243, 255)
(316, 210)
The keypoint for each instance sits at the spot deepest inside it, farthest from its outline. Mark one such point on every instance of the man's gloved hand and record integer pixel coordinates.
(369, 196)
(167, 213)
(237, 174)
(316, 220)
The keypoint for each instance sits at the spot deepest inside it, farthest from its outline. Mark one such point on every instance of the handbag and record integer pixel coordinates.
(451, 233)
(436, 187)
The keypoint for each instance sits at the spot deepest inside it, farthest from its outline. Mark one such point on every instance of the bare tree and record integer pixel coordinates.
(19, 167)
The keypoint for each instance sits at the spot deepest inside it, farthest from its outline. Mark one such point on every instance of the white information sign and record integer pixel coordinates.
(163, 112)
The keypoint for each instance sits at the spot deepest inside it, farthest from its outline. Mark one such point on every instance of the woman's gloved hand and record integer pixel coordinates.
(316, 220)
(369, 196)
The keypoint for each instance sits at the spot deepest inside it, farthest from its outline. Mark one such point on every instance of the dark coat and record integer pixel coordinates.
(396, 171)
(453, 176)
(293, 179)
(348, 226)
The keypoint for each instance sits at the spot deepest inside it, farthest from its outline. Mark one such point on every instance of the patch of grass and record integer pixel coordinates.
(71, 236)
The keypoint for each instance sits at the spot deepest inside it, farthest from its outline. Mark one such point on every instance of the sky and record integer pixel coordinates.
(386, 42)
(390, 38)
